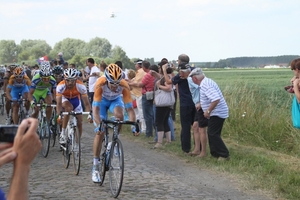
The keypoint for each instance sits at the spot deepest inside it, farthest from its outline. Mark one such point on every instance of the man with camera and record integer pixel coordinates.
(22, 152)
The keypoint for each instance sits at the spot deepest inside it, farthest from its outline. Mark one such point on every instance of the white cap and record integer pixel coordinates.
(196, 71)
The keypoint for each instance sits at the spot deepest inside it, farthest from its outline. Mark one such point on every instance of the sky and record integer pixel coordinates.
(205, 30)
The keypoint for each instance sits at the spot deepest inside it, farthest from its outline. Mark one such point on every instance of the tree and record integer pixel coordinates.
(118, 54)
(70, 47)
(8, 51)
(34, 49)
(98, 47)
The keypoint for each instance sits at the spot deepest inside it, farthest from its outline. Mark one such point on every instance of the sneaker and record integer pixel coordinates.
(95, 174)
(62, 139)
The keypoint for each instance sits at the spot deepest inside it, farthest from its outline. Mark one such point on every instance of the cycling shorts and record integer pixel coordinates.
(15, 91)
(76, 103)
(109, 105)
(40, 94)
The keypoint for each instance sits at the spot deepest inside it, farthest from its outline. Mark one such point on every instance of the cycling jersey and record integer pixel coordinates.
(18, 87)
(12, 82)
(41, 89)
(38, 84)
(79, 88)
(72, 95)
(106, 99)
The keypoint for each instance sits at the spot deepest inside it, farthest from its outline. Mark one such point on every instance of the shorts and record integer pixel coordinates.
(202, 121)
(40, 94)
(76, 103)
(15, 91)
(109, 105)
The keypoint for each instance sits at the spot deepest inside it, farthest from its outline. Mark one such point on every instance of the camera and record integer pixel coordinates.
(8, 132)
(170, 64)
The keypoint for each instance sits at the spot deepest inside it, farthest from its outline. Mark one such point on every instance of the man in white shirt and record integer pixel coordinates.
(94, 75)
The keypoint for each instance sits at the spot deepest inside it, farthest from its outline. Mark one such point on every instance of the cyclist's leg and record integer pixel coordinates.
(15, 106)
(101, 108)
(117, 108)
(27, 103)
(48, 100)
(68, 107)
(79, 117)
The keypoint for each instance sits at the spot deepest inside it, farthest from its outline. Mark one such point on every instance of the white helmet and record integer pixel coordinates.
(70, 73)
(45, 69)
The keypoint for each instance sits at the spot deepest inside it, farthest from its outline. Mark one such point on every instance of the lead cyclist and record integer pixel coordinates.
(111, 93)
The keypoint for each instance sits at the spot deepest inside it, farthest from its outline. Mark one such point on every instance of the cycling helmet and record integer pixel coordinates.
(113, 73)
(70, 73)
(19, 72)
(12, 67)
(57, 70)
(45, 69)
(2, 70)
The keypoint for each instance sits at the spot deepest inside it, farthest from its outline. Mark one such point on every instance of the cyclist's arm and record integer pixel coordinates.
(8, 90)
(86, 103)
(96, 115)
(128, 101)
(30, 94)
(58, 103)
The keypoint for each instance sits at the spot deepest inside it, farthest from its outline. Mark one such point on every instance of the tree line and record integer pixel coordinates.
(74, 51)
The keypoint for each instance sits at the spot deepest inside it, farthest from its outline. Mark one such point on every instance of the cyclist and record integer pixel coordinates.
(68, 94)
(8, 73)
(109, 91)
(2, 73)
(58, 73)
(18, 83)
(41, 86)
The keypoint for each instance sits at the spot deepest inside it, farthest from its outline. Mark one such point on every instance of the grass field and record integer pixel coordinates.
(264, 146)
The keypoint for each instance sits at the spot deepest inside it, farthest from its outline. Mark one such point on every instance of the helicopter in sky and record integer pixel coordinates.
(113, 15)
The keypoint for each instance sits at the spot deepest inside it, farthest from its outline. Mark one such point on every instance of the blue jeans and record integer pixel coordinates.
(148, 115)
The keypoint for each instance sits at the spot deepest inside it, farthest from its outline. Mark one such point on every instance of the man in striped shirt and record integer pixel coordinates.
(215, 109)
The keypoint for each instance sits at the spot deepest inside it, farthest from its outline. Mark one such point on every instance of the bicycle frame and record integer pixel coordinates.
(73, 138)
(115, 166)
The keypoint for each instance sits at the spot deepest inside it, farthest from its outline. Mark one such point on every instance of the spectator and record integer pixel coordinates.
(22, 152)
(200, 122)
(120, 64)
(162, 114)
(215, 110)
(94, 75)
(103, 66)
(137, 92)
(187, 106)
(147, 85)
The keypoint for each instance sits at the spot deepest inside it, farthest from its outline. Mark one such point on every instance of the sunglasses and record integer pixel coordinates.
(19, 76)
(46, 78)
(70, 80)
(114, 83)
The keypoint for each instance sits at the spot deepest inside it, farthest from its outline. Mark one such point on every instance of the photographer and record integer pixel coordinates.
(22, 152)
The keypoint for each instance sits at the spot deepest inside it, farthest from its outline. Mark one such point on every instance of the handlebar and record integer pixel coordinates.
(75, 113)
(116, 122)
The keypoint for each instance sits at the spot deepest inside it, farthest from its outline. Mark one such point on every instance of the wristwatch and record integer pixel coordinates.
(207, 111)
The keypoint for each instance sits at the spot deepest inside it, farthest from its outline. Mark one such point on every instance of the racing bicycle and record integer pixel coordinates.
(112, 155)
(44, 128)
(73, 145)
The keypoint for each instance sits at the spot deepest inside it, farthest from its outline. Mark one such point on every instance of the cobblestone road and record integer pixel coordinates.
(148, 175)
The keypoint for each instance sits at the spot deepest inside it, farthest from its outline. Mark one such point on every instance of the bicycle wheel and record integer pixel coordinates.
(53, 127)
(102, 161)
(76, 154)
(2, 105)
(45, 138)
(116, 167)
(66, 151)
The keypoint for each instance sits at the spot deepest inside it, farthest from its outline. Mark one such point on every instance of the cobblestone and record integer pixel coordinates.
(147, 175)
